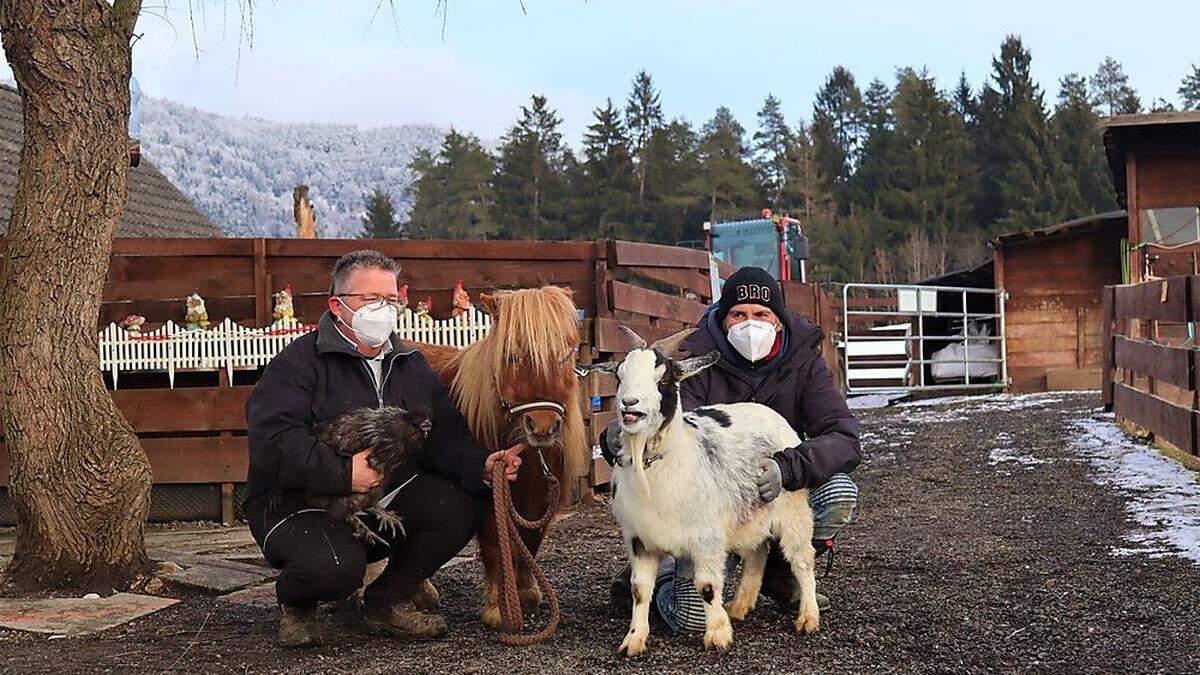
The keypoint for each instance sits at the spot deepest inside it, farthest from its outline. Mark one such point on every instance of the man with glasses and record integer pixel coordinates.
(354, 360)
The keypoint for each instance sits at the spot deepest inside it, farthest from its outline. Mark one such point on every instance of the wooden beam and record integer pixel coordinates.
(1174, 424)
(1165, 300)
(184, 409)
(607, 337)
(687, 278)
(629, 253)
(434, 249)
(1159, 362)
(262, 285)
(183, 460)
(1107, 361)
(630, 298)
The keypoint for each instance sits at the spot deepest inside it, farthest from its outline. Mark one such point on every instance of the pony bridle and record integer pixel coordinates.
(516, 410)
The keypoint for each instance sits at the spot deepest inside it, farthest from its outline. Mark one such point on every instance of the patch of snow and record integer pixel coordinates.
(1161, 496)
(1002, 455)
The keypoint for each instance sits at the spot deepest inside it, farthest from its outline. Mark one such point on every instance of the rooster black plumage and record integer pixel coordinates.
(396, 438)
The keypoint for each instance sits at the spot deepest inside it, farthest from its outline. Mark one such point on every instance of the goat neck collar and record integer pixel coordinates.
(648, 458)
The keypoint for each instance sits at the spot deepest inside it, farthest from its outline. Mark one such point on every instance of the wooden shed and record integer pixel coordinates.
(1054, 278)
(1155, 164)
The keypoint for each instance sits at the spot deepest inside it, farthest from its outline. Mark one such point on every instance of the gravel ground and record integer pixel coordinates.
(961, 558)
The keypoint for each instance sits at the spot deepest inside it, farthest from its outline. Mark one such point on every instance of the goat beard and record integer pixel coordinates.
(637, 452)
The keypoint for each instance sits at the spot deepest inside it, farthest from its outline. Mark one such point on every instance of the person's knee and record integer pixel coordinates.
(458, 515)
(322, 575)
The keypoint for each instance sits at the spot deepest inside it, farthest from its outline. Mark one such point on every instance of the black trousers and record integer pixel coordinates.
(319, 558)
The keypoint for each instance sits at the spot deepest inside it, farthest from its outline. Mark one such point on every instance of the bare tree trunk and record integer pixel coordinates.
(80, 482)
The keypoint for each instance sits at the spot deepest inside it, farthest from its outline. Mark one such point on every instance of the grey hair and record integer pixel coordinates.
(356, 260)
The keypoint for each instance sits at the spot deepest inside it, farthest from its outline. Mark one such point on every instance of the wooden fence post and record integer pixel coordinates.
(1108, 364)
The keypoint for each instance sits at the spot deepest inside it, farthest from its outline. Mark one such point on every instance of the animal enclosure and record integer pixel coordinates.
(191, 420)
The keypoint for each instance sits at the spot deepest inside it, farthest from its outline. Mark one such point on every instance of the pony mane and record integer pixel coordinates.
(541, 327)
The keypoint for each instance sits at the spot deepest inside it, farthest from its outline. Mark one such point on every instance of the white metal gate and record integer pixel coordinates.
(905, 337)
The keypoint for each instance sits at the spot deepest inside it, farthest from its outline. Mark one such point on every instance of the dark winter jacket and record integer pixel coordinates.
(796, 383)
(317, 377)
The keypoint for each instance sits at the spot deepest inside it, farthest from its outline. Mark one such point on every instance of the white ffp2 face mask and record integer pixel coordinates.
(752, 339)
(373, 326)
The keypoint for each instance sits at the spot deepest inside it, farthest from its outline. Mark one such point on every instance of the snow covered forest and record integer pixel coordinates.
(240, 171)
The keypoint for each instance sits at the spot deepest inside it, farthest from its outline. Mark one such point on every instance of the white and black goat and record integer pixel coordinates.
(685, 485)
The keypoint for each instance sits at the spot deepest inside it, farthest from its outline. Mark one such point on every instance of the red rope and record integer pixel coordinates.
(508, 522)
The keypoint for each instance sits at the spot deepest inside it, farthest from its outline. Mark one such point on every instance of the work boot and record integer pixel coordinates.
(426, 597)
(404, 620)
(298, 626)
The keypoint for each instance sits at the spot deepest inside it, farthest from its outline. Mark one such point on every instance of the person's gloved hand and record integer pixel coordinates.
(770, 481)
(612, 441)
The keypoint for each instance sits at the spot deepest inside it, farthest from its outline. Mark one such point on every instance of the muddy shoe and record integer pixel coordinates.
(298, 626)
(791, 607)
(620, 598)
(404, 620)
(426, 596)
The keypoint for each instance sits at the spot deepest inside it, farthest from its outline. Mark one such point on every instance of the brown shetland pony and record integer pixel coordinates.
(519, 384)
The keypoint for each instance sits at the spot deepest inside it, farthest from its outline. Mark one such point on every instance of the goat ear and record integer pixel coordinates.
(695, 364)
(635, 340)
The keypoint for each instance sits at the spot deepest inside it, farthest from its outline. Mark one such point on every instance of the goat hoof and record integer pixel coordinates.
(808, 623)
(719, 640)
(737, 611)
(491, 617)
(633, 645)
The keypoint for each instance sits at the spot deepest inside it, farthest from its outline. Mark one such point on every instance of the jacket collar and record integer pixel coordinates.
(331, 341)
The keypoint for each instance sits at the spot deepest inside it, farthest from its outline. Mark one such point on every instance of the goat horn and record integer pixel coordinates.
(669, 344)
(635, 340)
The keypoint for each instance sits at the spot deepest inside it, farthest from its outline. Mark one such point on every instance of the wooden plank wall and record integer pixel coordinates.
(1053, 310)
(1148, 379)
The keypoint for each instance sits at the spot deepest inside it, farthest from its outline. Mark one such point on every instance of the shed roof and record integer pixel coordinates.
(154, 207)
(1061, 229)
(1122, 130)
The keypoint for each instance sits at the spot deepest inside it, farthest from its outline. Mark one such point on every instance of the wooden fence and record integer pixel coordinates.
(194, 433)
(1150, 375)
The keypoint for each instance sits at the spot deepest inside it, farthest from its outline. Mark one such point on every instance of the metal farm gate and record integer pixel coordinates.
(905, 337)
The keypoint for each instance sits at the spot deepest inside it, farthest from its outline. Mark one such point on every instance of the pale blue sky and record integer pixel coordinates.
(326, 61)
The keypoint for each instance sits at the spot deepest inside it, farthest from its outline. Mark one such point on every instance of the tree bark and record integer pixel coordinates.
(80, 482)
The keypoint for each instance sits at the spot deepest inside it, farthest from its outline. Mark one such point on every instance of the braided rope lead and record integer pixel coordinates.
(507, 523)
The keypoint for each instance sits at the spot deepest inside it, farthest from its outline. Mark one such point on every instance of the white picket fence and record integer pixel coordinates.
(230, 346)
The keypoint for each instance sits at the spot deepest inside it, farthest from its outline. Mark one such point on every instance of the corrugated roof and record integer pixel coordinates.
(154, 208)
(1069, 227)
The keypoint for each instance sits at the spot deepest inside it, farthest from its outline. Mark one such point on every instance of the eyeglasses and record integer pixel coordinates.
(374, 300)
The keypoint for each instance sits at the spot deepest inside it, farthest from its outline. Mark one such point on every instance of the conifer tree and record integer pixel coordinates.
(379, 220)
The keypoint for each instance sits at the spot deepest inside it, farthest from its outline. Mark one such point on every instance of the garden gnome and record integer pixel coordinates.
(197, 315)
(283, 305)
(462, 301)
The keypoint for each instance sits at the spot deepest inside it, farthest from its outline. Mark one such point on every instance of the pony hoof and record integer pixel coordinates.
(491, 617)
(531, 599)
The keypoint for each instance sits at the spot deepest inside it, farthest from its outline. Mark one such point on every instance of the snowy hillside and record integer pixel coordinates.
(241, 171)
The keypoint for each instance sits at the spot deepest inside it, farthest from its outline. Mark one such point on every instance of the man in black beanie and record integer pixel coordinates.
(772, 357)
